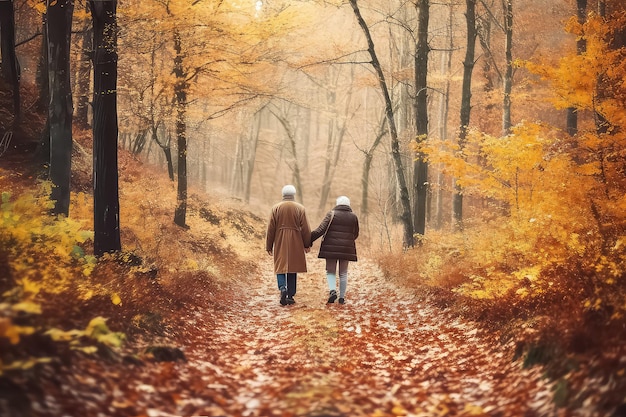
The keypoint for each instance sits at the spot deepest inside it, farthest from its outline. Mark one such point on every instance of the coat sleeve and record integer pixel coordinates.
(356, 227)
(305, 231)
(319, 232)
(271, 233)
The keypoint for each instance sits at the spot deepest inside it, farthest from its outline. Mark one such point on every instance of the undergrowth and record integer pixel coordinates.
(57, 300)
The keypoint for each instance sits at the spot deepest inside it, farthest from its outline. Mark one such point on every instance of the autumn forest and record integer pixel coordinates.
(481, 143)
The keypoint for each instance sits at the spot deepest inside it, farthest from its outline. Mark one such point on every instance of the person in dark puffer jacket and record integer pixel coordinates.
(339, 229)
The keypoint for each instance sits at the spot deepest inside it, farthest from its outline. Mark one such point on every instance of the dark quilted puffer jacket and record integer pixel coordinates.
(343, 231)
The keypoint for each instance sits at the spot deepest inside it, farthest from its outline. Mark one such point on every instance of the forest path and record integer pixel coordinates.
(381, 354)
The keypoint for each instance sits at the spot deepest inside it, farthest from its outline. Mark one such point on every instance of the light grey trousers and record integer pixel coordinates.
(331, 275)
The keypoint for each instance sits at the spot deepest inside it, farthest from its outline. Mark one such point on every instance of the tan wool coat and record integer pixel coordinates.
(288, 233)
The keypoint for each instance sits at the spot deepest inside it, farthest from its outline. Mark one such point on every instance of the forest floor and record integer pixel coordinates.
(382, 353)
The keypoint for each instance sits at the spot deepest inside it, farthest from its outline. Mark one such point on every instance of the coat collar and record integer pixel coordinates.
(343, 207)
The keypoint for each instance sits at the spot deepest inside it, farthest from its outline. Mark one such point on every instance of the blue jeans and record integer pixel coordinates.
(289, 281)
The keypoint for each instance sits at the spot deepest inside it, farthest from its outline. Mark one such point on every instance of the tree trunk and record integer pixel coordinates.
(167, 151)
(405, 217)
(507, 5)
(466, 98)
(444, 108)
(336, 132)
(236, 182)
(420, 166)
(251, 157)
(581, 47)
(367, 165)
(10, 64)
(81, 116)
(41, 79)
(295, 168)
(138, 144)
(603, 126)
(42, 154)
(105, 130)
(60, 108)
(329, 159)
(180, 92)
(490, 67)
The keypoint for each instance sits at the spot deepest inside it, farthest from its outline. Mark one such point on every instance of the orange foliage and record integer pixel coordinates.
(553, 219)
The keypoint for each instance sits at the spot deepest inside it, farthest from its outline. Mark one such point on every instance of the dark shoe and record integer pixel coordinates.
(290, 300)
(341, 300)
(332, 297)
(283, 296)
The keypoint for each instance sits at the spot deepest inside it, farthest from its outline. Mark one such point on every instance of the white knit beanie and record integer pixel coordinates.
(289, 190)
(343, 201)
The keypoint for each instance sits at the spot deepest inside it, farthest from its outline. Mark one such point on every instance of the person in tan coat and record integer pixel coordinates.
(288, 240)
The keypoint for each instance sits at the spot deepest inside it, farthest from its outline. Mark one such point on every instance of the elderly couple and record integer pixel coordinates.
(289, 237)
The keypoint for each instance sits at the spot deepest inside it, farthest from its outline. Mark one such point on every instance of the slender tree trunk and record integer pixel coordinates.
(328, 160)
(295, 168)
(483, 27)
(167, 151)
(420, 168)
(42, 75)
(10, 64)
(408, 238)
(603, 126)
(81, 116)
(581, 47)
(367, 165)
(105, 130)
(236, 182)
(139, 143)
(251, 157)
(336, 134)
(42, 155)
(444, 108)
(165, 147)
(180, 91)
(60, 108)
(466, 98)
(508, 73)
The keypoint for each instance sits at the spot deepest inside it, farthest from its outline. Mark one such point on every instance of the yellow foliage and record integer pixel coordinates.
(27, 307)
(43, 250)
(544, 198)
(115, 299)
(29, 287)
(541, 196)
(23, 365)
(12, 332)
(64, 336)
(96, 330)
(474, 410)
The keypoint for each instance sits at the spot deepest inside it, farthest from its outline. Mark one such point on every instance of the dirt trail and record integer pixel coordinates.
(381, 354)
